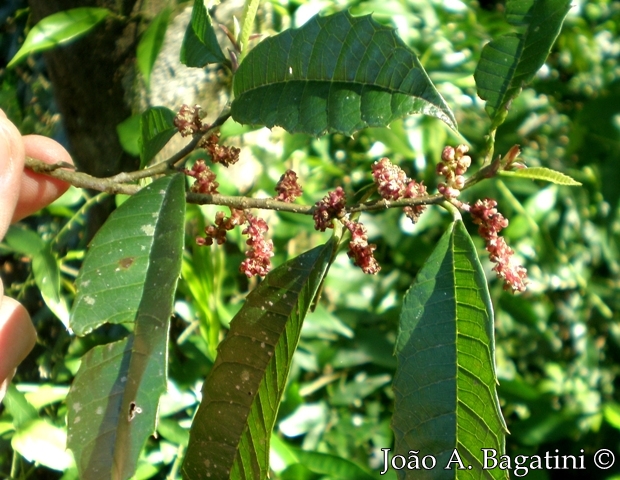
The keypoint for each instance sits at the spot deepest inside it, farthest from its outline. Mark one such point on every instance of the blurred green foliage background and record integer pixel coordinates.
(558, 344)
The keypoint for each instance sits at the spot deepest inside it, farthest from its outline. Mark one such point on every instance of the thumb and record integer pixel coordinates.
(11, 168)
(17, 337)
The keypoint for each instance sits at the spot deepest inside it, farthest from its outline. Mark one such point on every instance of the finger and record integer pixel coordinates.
(38, 190)
(11, 168)
(17, 335)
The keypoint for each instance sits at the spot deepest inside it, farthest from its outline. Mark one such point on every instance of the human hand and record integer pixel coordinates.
(22, 193)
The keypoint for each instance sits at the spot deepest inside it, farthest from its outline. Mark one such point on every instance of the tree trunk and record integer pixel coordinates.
(88, 76)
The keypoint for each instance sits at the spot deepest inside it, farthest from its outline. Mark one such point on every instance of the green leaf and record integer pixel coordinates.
(139, 237)
(335, 467)
(336, 73)
(249, 15)
(445, 383)
(231, 431)
(45, 267)
(131, 270)
(129, 131)
(23, 240)
(611, 412)
(542, 173)
(157, 127)
(19, 407)
(46, 272)
(511, 61)
(150, 44)
(200, 46)
(59, 28)
(287, 457)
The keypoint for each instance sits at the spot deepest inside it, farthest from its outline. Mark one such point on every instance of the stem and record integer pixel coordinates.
(77, 218)
(456, 214)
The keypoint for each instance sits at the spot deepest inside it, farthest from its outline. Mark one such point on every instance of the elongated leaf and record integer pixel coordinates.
(232, 428)
(511, 61)
(59, 28)
(23, 240)
(157, 127)
(124, 255)
(112, 405)
(445, 383)
(150, 44)
(336, 73)
(45, 267)
(19, 407)
(200, 46)
(326, 464)
(542, 173)
(46, 272)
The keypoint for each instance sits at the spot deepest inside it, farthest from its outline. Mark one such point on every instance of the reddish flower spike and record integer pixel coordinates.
(330, 207)
(188, 120)
(360, 250)
(490, 222)
(288, 189)
(258, 257)
(205, 178)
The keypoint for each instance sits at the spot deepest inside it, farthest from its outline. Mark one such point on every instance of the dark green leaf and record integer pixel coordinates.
(112, 405)
(139, 237)
(232, 429)
(157, 127)
(445, 383)
(200, 46)
(150, 44)
(59, 28)
(542, 173)
(336, 73)
(511, 61)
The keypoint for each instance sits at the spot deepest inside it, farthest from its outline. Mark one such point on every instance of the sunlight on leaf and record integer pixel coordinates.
(200, 46)
(58, 29)
(542, 173)
(336, 73)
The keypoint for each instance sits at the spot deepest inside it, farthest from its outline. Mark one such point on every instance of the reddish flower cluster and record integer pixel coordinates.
(188, 120)
(222, 225)
(393, 184)
(288, 188)
(391, 180)
(205, 178)
(490, 222)
(220, 153)
(360, 250)
(258, 257)
(330, 207)
(453, 165)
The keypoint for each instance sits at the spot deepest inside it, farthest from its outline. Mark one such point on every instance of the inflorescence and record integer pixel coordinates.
(391, 183)
(490, 222)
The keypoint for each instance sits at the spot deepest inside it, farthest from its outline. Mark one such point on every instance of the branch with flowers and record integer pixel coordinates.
(390, 181)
